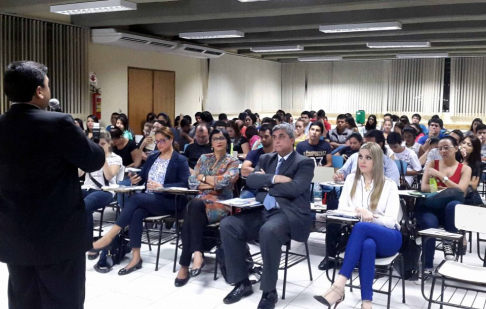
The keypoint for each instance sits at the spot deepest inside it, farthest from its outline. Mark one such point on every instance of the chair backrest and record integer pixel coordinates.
(185, 147)
(323, 174)
(337, 161)
(121, 174)
(470, 218)
(402, 167)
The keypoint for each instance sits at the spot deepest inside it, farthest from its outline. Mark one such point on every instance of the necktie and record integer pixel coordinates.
(269, 202)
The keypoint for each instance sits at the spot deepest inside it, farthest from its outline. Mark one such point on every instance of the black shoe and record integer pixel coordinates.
(93, 250)
(196, 272)
(268, 301)
(240, 290)
(326, 264)
(126, 271)
(93, 256)
(181, 282)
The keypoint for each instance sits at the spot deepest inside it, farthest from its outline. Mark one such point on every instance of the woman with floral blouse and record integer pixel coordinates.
(214, 176)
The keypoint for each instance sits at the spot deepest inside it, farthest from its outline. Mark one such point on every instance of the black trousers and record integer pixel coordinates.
(56, 286)
(272, 228)
(192, 230)
(333, 230)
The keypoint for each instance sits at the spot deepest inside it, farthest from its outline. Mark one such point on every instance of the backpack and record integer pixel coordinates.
(114, 255)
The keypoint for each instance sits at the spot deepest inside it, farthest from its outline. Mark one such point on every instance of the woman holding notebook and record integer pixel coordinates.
(375, 200)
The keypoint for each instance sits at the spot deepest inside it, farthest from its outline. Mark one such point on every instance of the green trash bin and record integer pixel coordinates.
(360, 117)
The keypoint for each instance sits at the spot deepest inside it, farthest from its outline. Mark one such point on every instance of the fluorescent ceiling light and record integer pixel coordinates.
(212, 35)
(251, 0)
(93, 7)
(394, 25)
(317, 59)
(276, 49)
(428, 55)
(398, 45)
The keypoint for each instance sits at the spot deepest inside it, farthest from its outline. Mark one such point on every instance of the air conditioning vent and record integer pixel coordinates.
(114, 37)
(192, 49)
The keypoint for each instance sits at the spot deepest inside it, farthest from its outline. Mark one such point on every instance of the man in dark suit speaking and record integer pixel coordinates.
(43, 236)
(283, 182)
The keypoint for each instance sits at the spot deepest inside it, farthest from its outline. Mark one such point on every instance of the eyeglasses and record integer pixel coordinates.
(161, 141)
(445, 148)
(221, 138)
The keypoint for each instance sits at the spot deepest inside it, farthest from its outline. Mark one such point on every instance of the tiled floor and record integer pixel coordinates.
(152, 289)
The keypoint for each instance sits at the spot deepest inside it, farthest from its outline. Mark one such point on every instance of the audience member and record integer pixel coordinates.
(470, 150)
(449, 173)
(78, 122)
(165, 118)
(419, 131)
(435, 126)
(151, 117)
(404, 119)
(416, 118)
(354, 142)
(114, 117)
(481, 134)
(206, 117)
(253, 137)
(289, 118)
(223, 117)
(409, 135)
(183, 134)
(277, 118)
(250, 120)
(299, 133)
(398, 128)
(286, 216)
(431, 153)
(338, 135)
(91, 120)
(321, 116)
(220, 125)
(370, 124)
(240, 143)
(122, 124)
(315, 148)
(125, 148)
(94, 196)
(197, 116)
(253, 157)
(214, 176)
(351, 124)
(404, 154)
(147, 143)
(164, 169)
(374, 198)
(259, 121)
(387, 127)
(474, 124)
(201, 145)
(305, 116)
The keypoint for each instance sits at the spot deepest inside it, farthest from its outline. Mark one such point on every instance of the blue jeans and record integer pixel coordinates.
(248, 193)
(120, 197)
(140, 206)
(95, 199)
(431, 218)
(368, 241)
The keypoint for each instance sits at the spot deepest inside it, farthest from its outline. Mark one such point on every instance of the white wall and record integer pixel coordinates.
(111, 67)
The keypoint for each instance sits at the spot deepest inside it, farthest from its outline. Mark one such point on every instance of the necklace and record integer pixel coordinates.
(367, 186)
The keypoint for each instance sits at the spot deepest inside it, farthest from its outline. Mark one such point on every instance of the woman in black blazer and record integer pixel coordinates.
(165, 168)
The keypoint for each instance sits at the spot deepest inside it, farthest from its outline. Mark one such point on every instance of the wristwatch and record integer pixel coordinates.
(445, 179)
(204, 179)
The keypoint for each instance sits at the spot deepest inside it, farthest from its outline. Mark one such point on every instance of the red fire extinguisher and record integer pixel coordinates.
(96, 102)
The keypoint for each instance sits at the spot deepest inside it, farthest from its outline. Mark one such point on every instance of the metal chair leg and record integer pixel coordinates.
(402, 262)
(285, 270)
(158, 247)
(216, 266)
(390, 271)
(308, 260)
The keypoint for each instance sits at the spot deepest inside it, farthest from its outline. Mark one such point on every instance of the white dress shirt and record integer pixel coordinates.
(388, 212)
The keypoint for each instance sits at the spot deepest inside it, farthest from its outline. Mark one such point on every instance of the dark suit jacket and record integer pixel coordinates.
(177, 174)
(293, 197)
(42, 214)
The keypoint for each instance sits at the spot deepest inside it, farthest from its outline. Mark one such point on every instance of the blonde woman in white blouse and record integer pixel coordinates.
(375, 199)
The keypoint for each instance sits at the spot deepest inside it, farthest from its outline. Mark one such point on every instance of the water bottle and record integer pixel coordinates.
(317, 194)
(433, 185)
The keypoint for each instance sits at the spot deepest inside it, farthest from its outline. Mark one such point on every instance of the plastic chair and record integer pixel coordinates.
(337, 161)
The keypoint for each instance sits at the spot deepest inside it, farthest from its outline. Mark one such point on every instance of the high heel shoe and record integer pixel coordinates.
(333, 289)
(126, 271)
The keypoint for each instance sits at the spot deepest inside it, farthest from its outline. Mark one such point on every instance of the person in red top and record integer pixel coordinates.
(449, 173)
(321, 115)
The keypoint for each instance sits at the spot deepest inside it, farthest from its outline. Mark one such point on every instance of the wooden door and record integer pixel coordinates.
(140, 97)
(149, 91)
(164, 93)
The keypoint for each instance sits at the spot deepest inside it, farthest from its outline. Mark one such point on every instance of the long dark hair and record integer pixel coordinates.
(474, 159)
(94, 118)
(124, 119)
(369, 127)
(472, 124)
(80, 122)
(167, 119)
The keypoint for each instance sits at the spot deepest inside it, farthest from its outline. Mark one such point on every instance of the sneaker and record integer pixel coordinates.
(448, 252)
